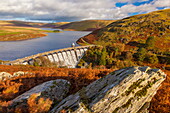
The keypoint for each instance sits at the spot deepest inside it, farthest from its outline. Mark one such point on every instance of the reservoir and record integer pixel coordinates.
(18, 49)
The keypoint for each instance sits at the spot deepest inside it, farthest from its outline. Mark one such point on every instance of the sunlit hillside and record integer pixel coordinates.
(135, 30)
(87, 25)
(10, 32)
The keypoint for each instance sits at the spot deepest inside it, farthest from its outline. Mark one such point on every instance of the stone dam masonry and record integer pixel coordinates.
(62, 57)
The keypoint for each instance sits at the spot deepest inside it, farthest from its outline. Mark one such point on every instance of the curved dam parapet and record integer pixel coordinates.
(68, 57)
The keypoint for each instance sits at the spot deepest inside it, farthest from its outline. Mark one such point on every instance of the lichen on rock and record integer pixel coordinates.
(124, 91)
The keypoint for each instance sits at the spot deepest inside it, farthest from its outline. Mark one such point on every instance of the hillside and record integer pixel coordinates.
(54, 25)
(12, 31)
(24, 24)
(79, 78)
(87, 25)
(134, 31)
(137, 40)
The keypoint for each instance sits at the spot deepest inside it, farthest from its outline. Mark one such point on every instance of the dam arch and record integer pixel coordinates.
(68, 57)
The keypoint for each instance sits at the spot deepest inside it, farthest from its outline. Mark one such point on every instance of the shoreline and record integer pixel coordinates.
(43, 35)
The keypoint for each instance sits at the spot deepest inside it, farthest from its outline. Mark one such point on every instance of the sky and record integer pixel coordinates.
(75, 10)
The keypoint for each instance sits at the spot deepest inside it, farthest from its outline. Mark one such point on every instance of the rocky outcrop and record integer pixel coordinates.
(4, 76)
(127, 90)
(19, 73)
(54, 90)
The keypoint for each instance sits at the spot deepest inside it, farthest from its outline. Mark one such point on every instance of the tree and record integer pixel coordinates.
(150, 42)
(103, 57)
(141, 54)
(152, 58)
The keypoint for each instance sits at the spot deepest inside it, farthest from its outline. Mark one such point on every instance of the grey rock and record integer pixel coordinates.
(19, 73)
(127, 90)
(4, 76)
(55, 90)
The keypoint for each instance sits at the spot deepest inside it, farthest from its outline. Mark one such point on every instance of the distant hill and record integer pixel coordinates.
(135, 30)
(87, 25)
(24, 23)
(54, 25)
(20, 23)
(18, 30)
(34, 24)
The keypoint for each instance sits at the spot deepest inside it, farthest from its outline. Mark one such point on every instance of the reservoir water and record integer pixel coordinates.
(18, 49)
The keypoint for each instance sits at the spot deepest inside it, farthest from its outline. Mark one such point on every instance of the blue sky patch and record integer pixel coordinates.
(159, 8)
(131, 14)
(136, 13)
(118, 4)
(141, 3)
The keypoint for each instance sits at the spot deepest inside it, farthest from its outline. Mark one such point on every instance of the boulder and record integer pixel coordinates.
(4, 76)
(19, 73)
(128, 90)
(55, 90)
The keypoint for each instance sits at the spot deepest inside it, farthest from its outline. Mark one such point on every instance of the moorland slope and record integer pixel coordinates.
(134, 31)
(12, 32)
(87, 25)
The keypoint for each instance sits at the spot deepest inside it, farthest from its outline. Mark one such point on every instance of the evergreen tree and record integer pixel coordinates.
(150, 42)
(103, 57)
(153, 59)
(141, 53)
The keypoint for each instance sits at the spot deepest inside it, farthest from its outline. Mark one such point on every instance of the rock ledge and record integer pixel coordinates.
(128, 90)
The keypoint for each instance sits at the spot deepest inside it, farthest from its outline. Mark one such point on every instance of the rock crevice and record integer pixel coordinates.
(126, 90)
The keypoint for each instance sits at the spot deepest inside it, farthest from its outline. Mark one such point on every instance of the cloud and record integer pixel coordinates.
(162, 3)
(69, 10)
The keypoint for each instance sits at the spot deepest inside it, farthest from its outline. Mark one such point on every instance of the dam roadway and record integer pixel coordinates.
(68, 57)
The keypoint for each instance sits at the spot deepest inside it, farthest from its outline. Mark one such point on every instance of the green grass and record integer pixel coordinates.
(8, 33)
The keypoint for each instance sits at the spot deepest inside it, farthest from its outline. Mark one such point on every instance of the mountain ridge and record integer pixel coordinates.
(135, 29)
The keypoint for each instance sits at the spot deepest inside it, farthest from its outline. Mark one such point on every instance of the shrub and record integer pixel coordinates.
(151, 58)
(150, 42)
(81, 63)
(141, 54)
(102, 60)
(38, 106)
(127, 55)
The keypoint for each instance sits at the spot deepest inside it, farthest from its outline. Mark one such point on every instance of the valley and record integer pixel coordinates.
(129, 60)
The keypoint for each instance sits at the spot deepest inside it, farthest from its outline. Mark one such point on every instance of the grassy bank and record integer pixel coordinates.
(13, 33)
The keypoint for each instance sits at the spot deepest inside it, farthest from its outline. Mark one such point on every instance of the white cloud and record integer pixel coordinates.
(74, 9)
(162, 3)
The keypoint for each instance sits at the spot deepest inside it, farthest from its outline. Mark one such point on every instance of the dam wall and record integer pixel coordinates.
(68, 57)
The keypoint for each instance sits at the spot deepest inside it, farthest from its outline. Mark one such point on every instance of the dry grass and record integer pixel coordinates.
(9, 32)
(78, 77)
(135, 29)
(14, 87)
(161, 101)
